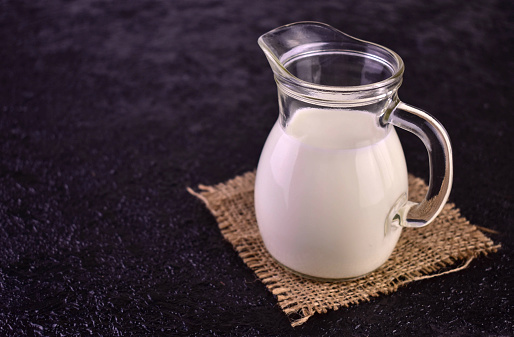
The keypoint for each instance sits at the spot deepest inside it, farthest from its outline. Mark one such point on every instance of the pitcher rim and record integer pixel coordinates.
(286, 76)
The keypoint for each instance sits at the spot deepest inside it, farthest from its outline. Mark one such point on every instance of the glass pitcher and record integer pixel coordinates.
(331, 183)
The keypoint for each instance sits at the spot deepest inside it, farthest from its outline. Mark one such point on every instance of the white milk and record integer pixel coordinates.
(324, 189)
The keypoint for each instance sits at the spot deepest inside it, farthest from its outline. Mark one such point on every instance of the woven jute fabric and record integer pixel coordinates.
(421, 253)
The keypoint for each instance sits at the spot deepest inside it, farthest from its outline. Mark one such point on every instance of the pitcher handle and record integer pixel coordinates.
(437, 142)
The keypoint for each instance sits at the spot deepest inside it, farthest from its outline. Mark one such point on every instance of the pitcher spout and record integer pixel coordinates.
(287, 42)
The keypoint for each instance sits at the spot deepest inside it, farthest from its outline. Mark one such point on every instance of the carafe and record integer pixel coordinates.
(331, 191)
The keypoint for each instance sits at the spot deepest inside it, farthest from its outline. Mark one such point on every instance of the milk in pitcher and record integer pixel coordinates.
(307, 221)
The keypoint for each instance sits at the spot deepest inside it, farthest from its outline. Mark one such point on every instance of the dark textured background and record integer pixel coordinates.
(108, 110)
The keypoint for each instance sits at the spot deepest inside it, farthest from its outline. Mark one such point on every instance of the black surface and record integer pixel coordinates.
(108, 110)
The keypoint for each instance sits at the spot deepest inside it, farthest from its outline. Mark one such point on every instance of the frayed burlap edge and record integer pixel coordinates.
(421, 253)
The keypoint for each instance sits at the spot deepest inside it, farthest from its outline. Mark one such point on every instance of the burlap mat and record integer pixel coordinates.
(420, 253)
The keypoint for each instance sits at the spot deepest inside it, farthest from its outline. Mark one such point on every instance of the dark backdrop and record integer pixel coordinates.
(110, 109)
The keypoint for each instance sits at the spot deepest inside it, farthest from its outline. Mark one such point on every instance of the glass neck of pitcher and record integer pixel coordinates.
(317, 66)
